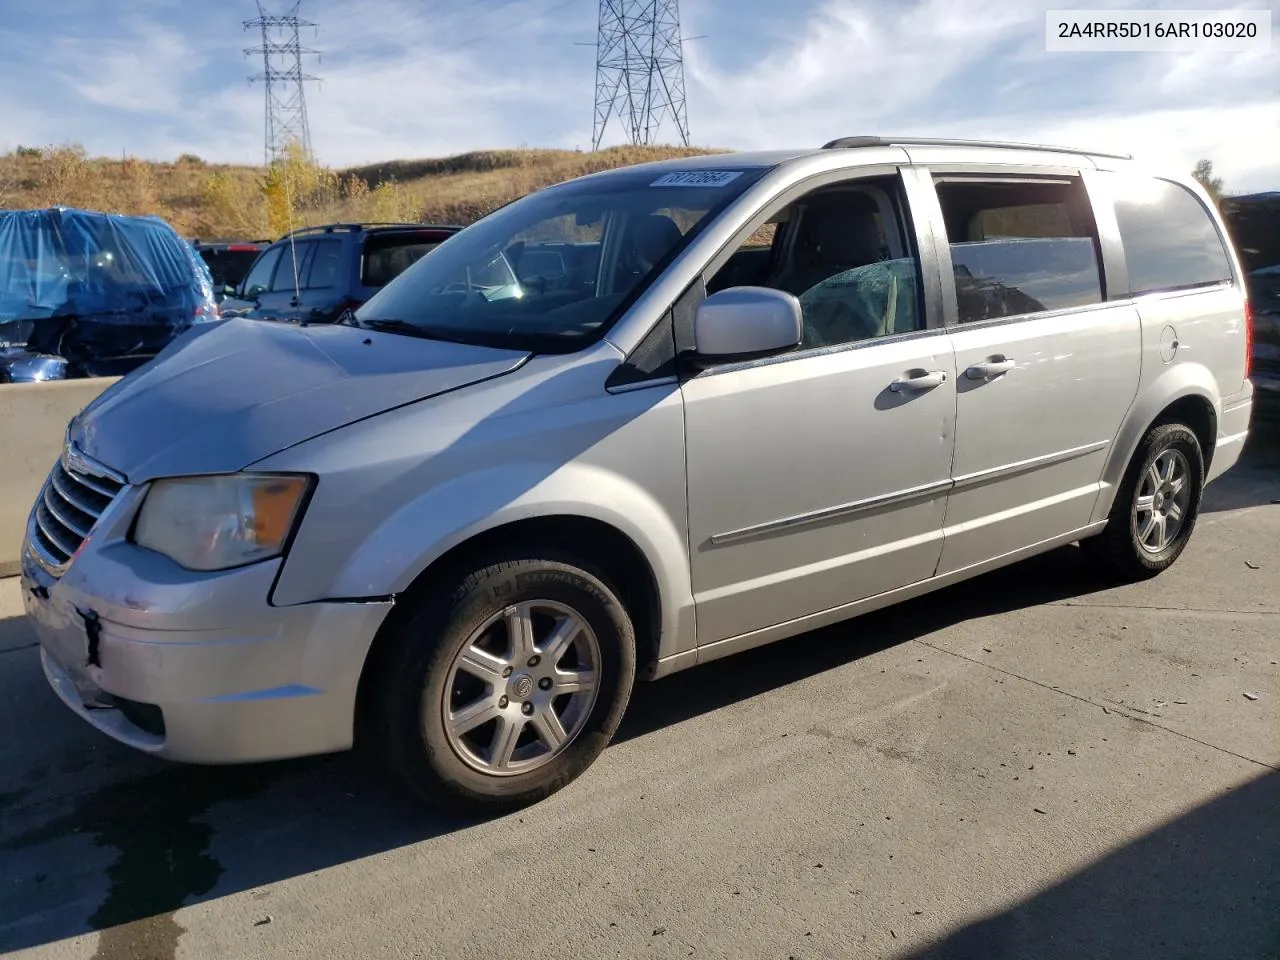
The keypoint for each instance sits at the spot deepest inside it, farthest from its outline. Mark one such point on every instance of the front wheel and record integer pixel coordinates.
(1156, 506)
(503, 690)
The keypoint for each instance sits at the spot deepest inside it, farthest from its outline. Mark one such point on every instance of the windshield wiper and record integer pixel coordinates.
(411, 330)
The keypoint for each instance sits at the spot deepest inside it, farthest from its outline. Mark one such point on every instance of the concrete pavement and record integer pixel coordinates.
(1029, 765)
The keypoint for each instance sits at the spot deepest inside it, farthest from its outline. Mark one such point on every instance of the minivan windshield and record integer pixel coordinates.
(553, 270)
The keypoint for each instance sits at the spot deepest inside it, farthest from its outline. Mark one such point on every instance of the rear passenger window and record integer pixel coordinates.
(1170, 241)
(1020, 247)
(322, 271)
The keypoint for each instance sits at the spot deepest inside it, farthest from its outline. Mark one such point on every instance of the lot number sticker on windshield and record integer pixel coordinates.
(697, 178)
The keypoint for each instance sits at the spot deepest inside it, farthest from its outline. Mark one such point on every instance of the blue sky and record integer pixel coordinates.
(413, 78)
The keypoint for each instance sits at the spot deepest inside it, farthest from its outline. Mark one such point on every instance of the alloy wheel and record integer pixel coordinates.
(1162, 501)
(521, 688)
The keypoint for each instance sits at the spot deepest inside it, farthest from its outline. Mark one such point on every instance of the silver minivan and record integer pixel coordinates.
(628, 424)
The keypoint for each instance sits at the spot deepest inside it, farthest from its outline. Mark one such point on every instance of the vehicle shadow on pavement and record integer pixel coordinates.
(1255, 479)
(15, 634)
(1206, 884)
(1051, 577)
(170, 835)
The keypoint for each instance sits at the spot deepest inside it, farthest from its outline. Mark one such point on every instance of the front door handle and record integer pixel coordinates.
(995, 367)
(923, 381)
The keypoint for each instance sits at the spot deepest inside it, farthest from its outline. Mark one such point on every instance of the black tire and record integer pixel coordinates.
(406, 698)
(1118, 551)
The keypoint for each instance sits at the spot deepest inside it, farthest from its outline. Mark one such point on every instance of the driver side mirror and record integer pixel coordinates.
(744, 323)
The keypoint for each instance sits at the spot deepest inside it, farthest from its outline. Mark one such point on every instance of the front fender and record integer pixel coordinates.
(425, 529)
(1172, 384)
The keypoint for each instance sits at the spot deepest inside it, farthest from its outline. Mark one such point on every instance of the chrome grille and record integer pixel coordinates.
(76, 493)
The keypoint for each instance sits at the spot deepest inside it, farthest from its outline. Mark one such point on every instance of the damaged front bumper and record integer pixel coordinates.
(198, 667)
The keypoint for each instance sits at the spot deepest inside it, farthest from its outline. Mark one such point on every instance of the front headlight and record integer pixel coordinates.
(214, 523)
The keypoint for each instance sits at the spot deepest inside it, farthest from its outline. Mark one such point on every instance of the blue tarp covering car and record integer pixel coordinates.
(85, 294)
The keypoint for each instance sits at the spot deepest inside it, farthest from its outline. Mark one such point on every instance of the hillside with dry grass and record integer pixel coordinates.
(220, 201)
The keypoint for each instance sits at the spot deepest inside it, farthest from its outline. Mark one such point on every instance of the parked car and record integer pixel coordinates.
(316, 274)
(628, 424)
(87, 294)
(1254, 223)
(1264, 302)
(229, 261)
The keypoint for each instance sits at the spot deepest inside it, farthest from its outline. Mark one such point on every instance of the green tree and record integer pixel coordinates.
(1203, 172)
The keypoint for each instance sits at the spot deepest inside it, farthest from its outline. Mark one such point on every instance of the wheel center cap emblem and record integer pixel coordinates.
(523, 686)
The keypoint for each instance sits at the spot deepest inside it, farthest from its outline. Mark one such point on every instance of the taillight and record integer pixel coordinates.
(1248, 339)
(206, 312)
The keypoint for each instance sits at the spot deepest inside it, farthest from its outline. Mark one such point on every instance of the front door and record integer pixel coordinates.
(319, 294)
(283, 300)
(820, 477)
(1047, 369)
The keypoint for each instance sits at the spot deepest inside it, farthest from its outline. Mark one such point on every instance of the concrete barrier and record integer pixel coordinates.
(33, 423)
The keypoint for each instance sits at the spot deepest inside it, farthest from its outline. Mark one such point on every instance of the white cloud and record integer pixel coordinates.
(854, 69)
(1242, 141)
(400, 82)
(143, 72)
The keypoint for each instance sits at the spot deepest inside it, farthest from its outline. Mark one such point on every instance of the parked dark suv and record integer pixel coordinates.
(1254, 222)
(315, 274)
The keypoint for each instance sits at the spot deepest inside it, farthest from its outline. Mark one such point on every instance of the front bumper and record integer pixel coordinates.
(234, 678)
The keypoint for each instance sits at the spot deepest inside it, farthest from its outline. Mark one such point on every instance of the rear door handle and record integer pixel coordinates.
(995, 367)
(924, 381)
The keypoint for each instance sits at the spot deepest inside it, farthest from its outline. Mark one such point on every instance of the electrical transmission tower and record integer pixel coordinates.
(282, 53)
(640, 69)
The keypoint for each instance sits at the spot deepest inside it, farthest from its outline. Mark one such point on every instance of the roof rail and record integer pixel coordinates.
(334, 227)
(844, 143)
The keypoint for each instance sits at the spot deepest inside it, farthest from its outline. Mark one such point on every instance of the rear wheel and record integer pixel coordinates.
(1156, 507)
(505, 688)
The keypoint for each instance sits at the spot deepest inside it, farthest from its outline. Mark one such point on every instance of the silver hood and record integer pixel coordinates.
(228, 394)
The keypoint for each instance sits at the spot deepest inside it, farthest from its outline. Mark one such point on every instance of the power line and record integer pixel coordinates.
(513, 25)
(510, 25)
(639, 69)
(423, 17)
(286, 104)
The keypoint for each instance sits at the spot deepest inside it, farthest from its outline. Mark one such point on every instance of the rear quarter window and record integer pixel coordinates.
(388, 256)
(1170, 240)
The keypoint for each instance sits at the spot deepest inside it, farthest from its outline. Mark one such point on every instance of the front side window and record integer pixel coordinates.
(845, 253)
(554, 270)
(1020, 247)
(293, 266)
(1170, 241)
(259, 279)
